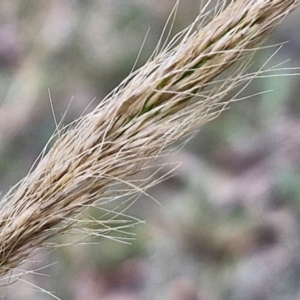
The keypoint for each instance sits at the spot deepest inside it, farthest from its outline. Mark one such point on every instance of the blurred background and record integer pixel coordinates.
(228, 226)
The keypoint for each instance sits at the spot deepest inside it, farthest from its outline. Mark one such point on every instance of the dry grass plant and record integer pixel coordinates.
(172, 95)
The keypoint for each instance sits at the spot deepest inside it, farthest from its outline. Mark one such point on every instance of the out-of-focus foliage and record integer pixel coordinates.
(229, 223)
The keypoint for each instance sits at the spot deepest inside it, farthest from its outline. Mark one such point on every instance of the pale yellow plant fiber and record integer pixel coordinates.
(169, 97)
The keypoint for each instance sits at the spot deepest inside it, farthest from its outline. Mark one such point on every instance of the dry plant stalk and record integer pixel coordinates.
(172, 95)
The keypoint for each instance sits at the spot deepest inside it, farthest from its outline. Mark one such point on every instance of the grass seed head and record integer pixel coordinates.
(174, 93)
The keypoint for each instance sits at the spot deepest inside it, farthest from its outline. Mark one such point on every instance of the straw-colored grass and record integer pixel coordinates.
(175, 93)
